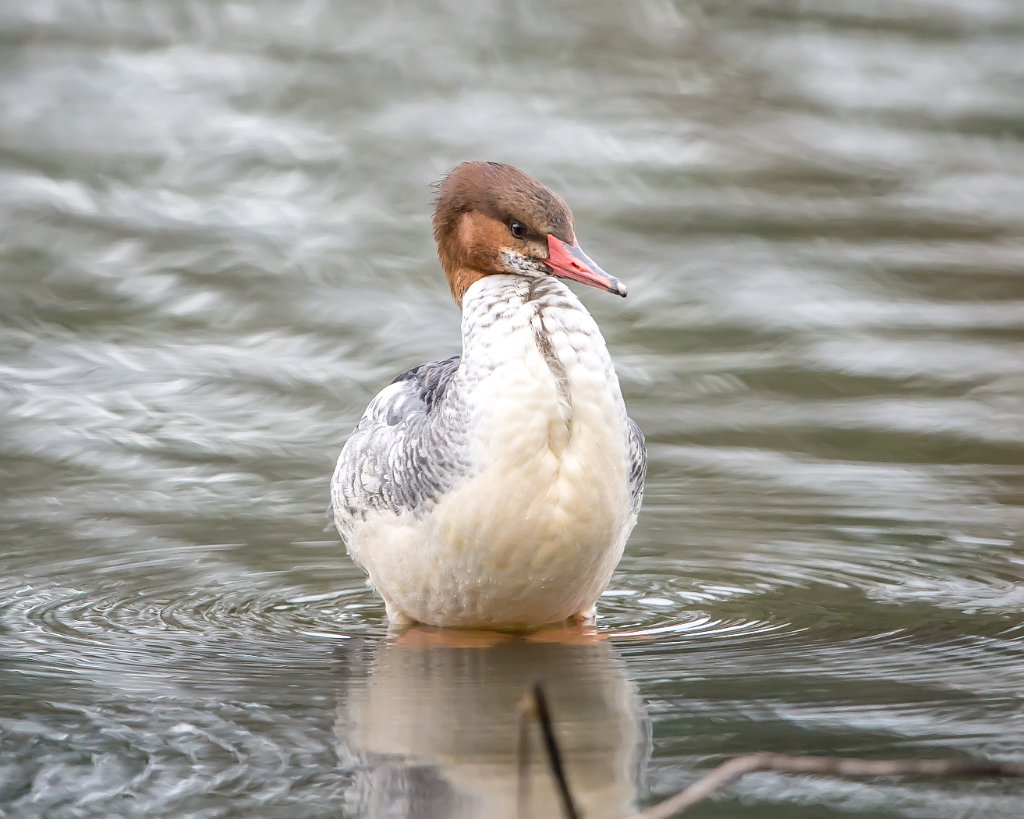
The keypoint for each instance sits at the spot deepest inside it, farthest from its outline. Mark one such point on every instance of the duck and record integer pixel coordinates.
(496, 489)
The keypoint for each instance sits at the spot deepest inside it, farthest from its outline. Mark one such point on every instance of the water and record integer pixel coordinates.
(216, 248)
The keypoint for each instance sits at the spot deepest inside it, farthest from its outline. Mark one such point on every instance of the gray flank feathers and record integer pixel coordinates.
(637, 464)
(407, 450)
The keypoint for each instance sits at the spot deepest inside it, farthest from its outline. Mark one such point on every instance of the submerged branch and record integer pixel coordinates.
(733, 769)
(534, 705)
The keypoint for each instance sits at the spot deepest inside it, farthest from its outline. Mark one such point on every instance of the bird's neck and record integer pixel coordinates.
(516, 328)
(460, 279)
(503, 312)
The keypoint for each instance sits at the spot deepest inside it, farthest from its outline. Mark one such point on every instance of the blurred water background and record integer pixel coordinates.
(215, 247)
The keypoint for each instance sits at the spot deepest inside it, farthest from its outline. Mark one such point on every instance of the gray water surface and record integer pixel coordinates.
(215, 248)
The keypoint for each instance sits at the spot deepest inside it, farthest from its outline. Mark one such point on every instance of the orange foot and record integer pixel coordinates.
(420, 637)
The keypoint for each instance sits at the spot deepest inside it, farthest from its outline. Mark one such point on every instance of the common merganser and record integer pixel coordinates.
(497, 489)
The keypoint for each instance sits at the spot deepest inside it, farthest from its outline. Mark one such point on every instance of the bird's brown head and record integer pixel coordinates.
(491, 218)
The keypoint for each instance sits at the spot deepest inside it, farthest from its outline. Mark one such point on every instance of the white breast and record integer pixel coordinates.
(536, 531)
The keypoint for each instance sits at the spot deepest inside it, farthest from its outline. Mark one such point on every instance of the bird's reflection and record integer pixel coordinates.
(428, 723)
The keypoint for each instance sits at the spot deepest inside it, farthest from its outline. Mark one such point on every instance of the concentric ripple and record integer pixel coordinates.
(113, 612)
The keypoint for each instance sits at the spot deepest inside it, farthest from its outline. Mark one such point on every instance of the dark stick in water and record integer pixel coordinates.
(534, 704)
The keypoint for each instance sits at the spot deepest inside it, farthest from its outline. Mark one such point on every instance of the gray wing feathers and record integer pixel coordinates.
(402, 455)
(431, 381)
(637, 464)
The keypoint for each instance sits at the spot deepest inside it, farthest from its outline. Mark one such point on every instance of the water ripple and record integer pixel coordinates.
(217, 247)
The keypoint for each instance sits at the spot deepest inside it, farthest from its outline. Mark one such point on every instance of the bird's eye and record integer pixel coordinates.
(518, 229)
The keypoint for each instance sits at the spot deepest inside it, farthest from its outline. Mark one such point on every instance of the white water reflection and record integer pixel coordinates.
(431, 730)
